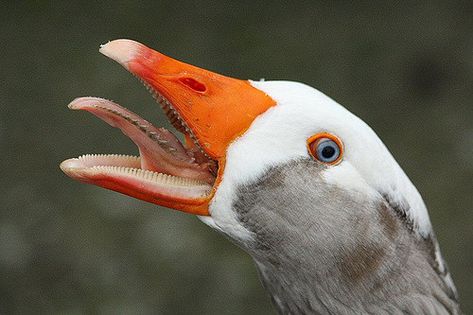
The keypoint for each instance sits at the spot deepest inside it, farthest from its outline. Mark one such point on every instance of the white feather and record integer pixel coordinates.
(279, 135)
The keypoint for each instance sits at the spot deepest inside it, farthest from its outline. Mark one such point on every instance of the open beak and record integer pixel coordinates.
(211, 111)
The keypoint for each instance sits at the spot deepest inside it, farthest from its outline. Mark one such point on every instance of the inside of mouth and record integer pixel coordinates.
(164, 166)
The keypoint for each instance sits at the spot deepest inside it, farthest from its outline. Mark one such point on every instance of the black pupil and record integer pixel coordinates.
(328, 152)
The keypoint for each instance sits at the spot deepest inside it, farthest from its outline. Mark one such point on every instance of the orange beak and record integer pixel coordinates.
(217, 109)
(210, 109)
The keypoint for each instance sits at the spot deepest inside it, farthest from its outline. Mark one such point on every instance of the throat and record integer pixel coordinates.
(335, 252)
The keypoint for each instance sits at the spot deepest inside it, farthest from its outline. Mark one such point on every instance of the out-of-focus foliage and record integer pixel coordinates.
(69, 248)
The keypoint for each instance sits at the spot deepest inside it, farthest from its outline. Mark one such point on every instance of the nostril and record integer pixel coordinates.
(193, 84)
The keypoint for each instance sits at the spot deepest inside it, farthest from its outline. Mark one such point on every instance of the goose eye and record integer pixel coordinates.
(325, 147)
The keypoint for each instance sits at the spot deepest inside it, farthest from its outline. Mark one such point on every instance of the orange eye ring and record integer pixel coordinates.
(314, 147)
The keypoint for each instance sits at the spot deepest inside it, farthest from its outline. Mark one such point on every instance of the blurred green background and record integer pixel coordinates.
(69, 248)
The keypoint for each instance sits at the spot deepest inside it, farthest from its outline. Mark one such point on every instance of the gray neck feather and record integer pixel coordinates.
(322, 250)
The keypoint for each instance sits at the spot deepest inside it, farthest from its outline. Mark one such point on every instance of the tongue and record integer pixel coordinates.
(160, 150)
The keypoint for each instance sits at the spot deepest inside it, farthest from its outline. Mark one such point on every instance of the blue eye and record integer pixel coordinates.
(325, 148)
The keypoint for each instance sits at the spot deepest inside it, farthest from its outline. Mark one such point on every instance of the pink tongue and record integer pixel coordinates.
(160, 150)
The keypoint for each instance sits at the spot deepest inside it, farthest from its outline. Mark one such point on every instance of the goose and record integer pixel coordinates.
(304, 186)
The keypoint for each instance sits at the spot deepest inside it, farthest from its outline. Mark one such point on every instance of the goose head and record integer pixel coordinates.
(295, 179)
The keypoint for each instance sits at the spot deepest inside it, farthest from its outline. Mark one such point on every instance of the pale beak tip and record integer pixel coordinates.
(86, 102)
(77, 103)
(121, 50)
(68, 165)
(73, 105)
